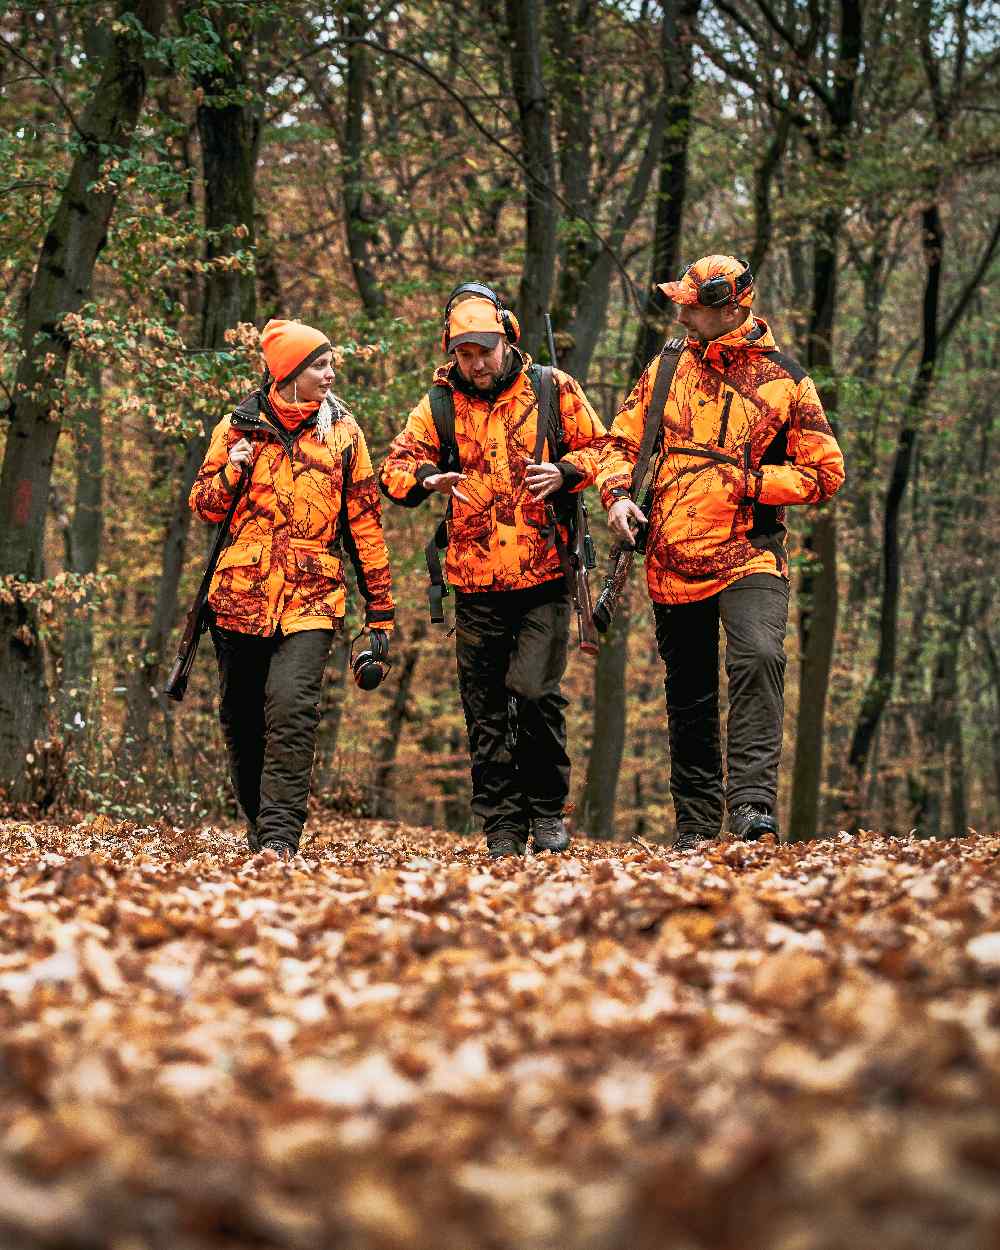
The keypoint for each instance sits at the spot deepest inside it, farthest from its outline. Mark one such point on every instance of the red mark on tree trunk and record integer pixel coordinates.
(21, 509)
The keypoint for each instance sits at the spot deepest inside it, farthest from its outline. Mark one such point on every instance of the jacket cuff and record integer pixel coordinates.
(424, 471)
(227, 474)
(572, 476)
(610, 495)
(380, 618)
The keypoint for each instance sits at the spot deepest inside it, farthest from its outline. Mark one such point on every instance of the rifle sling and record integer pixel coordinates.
(669, 357)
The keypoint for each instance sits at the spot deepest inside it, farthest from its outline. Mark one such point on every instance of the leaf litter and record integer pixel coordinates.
(392, 1043)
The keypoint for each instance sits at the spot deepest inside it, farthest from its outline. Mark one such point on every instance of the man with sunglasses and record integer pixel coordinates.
(742, 434)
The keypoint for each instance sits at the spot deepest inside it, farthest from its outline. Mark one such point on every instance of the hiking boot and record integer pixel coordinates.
(751, 821)
(548, 833)
(280, 848)
(500, 847)
(690, 840)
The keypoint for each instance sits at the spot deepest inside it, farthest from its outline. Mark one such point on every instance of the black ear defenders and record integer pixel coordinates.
(507, 320)
(369, 667)
(722, 289)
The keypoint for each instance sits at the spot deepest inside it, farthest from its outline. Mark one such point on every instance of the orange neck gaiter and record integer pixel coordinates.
(291, 416)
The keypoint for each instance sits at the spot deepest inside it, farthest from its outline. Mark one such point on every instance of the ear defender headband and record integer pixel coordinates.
(370, 667)
(507, 321)
(723, 289)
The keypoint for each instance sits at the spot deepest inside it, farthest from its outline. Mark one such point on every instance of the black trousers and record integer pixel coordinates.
(754, 613)
(269, 709)
(514, 643)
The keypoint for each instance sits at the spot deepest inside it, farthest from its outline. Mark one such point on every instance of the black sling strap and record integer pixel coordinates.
(669, 357)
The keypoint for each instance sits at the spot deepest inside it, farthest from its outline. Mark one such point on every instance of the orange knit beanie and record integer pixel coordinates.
(289, 347)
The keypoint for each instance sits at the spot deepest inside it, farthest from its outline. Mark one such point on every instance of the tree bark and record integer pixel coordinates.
(229, 135)
(597, 804)
(62, 282)
(610, 707)
(680, 19)
(818, 585)
(82, 543)
(540, 212)
(358, 222)
(383, 801)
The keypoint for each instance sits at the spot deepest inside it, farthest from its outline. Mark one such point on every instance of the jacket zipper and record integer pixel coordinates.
(724, 424)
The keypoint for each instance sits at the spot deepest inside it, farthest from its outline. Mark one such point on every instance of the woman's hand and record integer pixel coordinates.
(241, 454)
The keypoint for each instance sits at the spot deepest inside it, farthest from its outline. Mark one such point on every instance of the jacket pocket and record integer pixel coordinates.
(239, 584)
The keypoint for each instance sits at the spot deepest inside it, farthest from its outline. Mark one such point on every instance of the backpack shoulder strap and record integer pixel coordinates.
(443, 411)
(546, 390)
(653, 424)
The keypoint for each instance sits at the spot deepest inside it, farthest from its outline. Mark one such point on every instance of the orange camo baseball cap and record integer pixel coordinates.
(729, 268)
(475, 320)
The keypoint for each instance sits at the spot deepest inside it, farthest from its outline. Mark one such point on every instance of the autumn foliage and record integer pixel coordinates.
(392, 1042)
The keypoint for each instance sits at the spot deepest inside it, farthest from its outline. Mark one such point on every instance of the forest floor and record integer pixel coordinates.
(391, 1043)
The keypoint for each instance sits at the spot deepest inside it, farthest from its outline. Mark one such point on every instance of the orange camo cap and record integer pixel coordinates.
(289, 347)
(685, 291)
(475, 320)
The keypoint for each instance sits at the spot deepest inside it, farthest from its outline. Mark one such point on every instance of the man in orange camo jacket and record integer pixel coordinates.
(743, 435)
(512, 612)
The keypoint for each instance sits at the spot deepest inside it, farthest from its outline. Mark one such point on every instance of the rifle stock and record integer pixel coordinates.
(197, 618)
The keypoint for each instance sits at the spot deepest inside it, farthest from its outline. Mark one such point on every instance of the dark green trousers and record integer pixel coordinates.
(753, 613)
(269, 692)
(514, 643)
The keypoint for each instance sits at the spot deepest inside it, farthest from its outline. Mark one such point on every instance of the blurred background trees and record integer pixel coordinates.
(177, 171)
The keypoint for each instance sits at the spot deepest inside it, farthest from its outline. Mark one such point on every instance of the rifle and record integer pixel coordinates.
(579, 558)
(197, 617)
(622, 554)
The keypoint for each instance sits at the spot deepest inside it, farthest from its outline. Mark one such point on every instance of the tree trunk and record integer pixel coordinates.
(597, 805)
(383, 801)
(610, 708)
(82, 541)
(818, 586)
(61, 284)
(540, 214)
(359, 223)
(229, 135)
(680, 19)
(881, 682)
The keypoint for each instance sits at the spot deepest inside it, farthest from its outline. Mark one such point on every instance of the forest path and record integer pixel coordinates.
(392, 1042)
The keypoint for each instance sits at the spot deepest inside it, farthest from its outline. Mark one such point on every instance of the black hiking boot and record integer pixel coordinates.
(507, 845)
(690, 840)
(280, 848)
(548, 833)
(751, 821)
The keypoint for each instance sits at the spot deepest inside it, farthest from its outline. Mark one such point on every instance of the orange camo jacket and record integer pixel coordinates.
(495, 541)
(744, 434)
(284, 565)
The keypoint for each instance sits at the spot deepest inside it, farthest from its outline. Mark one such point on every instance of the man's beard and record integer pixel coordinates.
(490, 379)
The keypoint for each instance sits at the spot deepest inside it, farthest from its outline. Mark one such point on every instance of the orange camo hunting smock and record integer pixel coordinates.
(284, 566)
(496, 540)
(744, 434)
